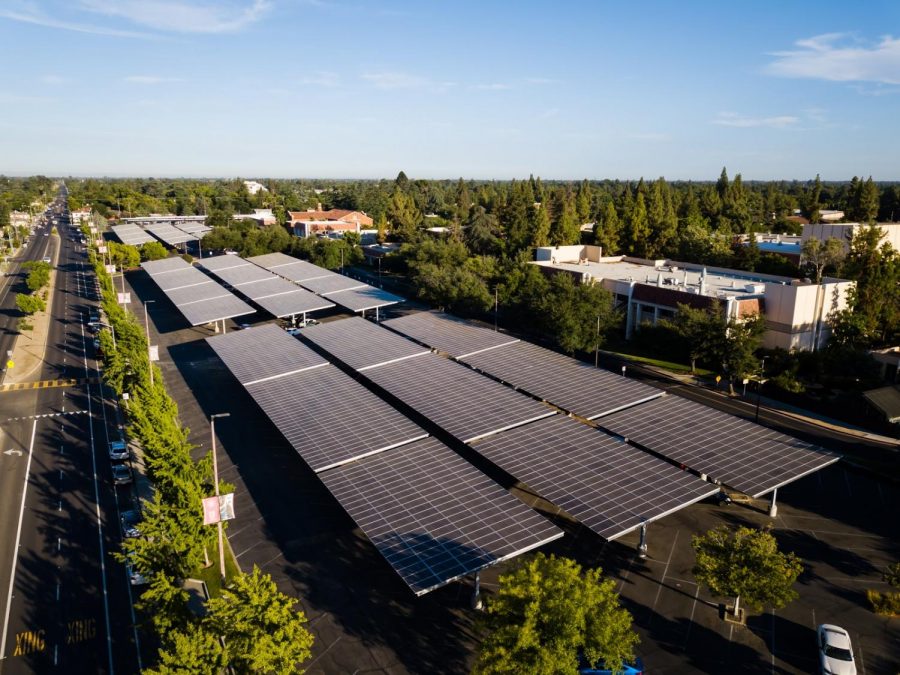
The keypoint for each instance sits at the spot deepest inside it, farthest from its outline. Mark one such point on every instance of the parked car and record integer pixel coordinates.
(585, 668)
(121, 474)
(118, 450)
(130, 521)
(135, 578)
(835, 650)
(46, 259)
(292, 331)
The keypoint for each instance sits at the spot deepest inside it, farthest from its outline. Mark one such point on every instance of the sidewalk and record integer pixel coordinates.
(30, 346)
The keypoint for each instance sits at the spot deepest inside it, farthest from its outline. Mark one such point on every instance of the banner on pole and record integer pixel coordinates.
(210, 510)
(218, 509)
(154, 352)
(124, 298)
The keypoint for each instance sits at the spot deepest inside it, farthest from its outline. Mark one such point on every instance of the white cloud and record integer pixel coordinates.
(151, 79)
(392, 80)
(834, 57)
(731, 119)
(181, 16)
(493, 86)
(322, 79)
(28, 12)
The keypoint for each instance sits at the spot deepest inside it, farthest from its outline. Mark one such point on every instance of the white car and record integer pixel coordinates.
(835, 651)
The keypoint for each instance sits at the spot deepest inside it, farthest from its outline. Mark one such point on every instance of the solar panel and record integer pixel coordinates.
(432, 515)
(274, 294)
(364, 298)
(290, 268)
(448, 334)
(743, 455)
(263, 352)
(197, 229)
(131, 234)
(331, 284)
(170, 235)
(361, 344)
(154, 267)
(196, 296)
(190, 276)
(292, 303)
(609, 486)
(573, 385)
(464, 403)
(221, 262)
(216, 309)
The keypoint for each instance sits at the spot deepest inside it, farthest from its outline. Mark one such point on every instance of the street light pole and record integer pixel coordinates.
(759, 385)
(147, 329)
(212, 433)
(597, 345)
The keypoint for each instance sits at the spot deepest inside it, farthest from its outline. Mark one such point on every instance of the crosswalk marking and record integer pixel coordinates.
(47, 384)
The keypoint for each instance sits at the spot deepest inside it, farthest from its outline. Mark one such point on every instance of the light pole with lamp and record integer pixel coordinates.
(212, 433)
(597, 345)
(147, 330)
(759, 385)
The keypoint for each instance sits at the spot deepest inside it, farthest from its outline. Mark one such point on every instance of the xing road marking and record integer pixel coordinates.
(29, 642)
(46, 384)
(80, 630)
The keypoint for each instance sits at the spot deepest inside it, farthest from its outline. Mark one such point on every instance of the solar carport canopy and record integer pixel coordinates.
(361, 344)
(444, 333)
(170, 235)
(274, 294)
(609, 486)
(560, 380)
(131, 234)
(433, 516)
(197, 297)
(742, 455)
(345, 291)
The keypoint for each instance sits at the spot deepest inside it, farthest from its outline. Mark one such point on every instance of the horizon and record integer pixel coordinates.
(196, 90)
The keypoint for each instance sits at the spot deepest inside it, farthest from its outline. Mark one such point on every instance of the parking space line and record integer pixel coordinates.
(772, 648)
(691, 618)
(862, 661)
(847, 481)
(662, 581)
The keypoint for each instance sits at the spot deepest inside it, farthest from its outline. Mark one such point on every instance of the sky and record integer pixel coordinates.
(479, 89)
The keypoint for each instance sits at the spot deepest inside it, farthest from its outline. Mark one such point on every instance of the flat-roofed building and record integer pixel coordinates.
(845, 231)
(316, 221)
(796, 311)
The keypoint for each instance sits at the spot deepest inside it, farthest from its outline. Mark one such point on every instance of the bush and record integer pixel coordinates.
(885, 604)
(30, 304)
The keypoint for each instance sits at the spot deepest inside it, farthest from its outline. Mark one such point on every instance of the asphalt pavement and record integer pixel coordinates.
(65, 603)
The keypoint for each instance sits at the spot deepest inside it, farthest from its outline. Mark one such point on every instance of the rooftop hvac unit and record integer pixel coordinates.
(755, 288)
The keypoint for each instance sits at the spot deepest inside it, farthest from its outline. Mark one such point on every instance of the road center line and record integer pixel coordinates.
(12, 577)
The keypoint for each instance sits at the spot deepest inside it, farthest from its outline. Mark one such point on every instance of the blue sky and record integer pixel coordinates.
(359, 88)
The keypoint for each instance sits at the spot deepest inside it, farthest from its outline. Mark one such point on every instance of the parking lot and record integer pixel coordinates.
(842, 524)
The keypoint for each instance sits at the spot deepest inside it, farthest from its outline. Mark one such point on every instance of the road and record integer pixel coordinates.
(65, 603)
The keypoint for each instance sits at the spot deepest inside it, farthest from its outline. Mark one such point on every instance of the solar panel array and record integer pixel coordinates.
(609, 486)
(565, 382)
(131, 234)
(464, 403)
(572, 385)
(196, 296)
(198, 230)
(361, 344)
(433, 516)
(447, 334)
(357, 296)
(274, 294)
(169, 234)
(743, 455)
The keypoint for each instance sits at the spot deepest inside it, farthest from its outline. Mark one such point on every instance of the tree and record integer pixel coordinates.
(539, 225)
(381, 227)
(818, 255)
(262, 631)
(38, 275)
(482, 232)
(869, 200)
(193, 651)
(153, 250)
(700, 330)
(638, 229)
(123, 255)
(747, 565)
(404, 216)
(607, 230)
(740, 339)
(30, 304)
(574, 309)
(545, 611)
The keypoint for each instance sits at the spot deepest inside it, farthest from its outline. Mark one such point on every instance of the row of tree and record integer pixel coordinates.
(251, 626)
(37, 278)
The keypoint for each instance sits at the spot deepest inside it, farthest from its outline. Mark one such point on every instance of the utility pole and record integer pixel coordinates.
(147, 329)
(496, 307)
(597, 345)
(759, 385)
(212, 431)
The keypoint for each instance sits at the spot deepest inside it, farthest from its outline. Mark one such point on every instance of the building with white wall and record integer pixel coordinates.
(796, 311)
(845, 231)
(253, 187)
